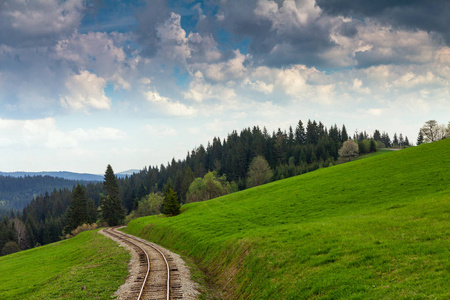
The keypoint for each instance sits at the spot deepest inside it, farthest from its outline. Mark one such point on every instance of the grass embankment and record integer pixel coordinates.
(372, 228)
(61, 270)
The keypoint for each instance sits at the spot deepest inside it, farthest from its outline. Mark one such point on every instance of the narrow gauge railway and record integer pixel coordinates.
(154, 279)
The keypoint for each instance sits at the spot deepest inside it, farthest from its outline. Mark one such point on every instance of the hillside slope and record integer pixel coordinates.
(88, 266)
(376, 228)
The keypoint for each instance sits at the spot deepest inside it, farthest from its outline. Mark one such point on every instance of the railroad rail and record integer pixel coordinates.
(156, 281)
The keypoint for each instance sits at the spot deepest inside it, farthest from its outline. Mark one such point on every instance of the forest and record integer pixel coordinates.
(222, 167)
(17, 192)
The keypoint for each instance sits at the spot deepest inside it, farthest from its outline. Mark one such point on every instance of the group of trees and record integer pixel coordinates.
(47, 217)
(431, 131)
(288, 153)
(242, 160)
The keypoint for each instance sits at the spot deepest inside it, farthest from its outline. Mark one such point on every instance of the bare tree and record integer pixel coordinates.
(432, 131)
(21, 232)
(349, 149)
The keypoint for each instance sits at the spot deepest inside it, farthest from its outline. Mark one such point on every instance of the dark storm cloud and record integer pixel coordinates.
(148, 18)
(431, 16)
(38, 23)
(294, 43)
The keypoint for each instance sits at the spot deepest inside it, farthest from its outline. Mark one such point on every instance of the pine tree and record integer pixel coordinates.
(77, 213)
(420, 138)
(300, 136)
(170, 205)
(395, 141)
(112, 211)
(344, 134)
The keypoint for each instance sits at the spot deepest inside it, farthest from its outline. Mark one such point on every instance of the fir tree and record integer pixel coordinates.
(77, 213)
(170, 205)
(420, 138)
(112, 211)
(344, 134)
(300, 136)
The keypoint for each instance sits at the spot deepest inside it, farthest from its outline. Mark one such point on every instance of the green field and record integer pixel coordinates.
(61, 270)
(376, 228)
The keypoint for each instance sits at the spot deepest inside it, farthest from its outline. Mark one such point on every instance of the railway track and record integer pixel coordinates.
(156, 278)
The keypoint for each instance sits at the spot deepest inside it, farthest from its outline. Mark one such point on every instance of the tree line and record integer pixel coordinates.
(241, 160)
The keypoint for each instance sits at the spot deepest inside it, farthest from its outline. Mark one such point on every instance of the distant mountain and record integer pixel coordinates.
(127, 173)
(62, 174)
(68, 175)
(17, 189)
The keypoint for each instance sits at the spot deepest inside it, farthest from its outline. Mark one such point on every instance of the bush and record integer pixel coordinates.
(81, 228)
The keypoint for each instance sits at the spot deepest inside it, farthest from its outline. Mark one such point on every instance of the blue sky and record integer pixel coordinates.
(84, 84)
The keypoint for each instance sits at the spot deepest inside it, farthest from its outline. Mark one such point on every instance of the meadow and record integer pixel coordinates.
(88, 266)
(372, 228)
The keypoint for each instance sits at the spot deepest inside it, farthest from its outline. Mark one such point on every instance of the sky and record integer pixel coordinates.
(87, 83)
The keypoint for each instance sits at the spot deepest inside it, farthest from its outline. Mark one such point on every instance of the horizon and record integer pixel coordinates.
(84, 84)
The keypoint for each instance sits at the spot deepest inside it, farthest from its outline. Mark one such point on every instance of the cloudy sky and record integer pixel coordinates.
(86, 83)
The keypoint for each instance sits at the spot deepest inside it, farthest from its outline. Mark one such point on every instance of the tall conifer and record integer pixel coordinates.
(111, 206)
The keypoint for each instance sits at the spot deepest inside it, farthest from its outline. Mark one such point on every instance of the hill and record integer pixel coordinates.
(17, 189)
(56, 174)
(68, 175)
(16, 193)
(376, 228)
(62, 269)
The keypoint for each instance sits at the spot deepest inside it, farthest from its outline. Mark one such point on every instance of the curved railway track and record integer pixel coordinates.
(154, 280)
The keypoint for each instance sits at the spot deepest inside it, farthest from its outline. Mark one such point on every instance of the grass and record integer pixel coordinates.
(373, 228)
(61, 270)
(379, 152)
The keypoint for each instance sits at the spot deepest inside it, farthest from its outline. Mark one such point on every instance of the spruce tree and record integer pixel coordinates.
(112, 211)
(300, 136)
(420, 138)
(170, 205)
(77, 213)
(344, 134)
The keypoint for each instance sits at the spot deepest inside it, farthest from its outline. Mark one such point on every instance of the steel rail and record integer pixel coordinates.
(148, 262)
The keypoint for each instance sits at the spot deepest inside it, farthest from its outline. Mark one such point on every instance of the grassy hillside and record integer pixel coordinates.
(60, 270)
(372, 228)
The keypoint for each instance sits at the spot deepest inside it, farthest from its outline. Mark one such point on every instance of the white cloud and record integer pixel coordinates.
(44, 133)
(224, 71)
(173, 40)
(99, 52)
(358, 86)
(375, 44)
(258, 85)
(200, 90)
(289, 15)
(168, 106)
(85, 91)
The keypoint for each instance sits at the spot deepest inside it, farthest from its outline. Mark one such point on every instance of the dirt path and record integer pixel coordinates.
(181, 285)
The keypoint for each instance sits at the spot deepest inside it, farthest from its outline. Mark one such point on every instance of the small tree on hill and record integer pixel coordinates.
(349, 149)
(170, 205)
(420, 138)
(259, 172)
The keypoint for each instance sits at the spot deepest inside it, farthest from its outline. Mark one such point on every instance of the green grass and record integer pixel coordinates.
(376, 228)
(379, 152)
(60, 270)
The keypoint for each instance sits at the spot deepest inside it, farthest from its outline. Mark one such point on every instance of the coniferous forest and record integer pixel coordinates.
(222, 167)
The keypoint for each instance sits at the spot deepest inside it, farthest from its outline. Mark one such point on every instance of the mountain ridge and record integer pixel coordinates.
(67, 175)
